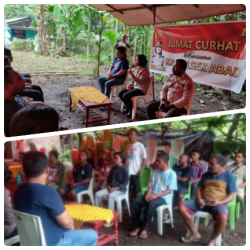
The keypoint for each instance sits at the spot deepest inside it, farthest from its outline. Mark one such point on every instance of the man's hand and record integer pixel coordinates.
(214, 203)
(130, 71)
(109, 77)
(147, 197)
(28, 87)
(168, 106)
(152, 197)
(201, 202)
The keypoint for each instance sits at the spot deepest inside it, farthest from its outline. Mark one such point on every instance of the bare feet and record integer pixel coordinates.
(192, 238)
(211, 243)
(144, 234)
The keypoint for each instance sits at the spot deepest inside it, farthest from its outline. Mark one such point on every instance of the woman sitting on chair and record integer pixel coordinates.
(138, 86)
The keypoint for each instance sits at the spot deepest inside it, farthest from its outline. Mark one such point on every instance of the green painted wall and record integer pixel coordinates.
(30, 34)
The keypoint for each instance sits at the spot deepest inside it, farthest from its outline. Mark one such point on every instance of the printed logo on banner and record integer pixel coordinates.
(215, 52)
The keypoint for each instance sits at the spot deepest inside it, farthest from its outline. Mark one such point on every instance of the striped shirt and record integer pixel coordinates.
(197, 170)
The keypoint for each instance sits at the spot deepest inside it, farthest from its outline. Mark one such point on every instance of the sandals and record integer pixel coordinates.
(186, 240)
(134, 233)
(143, 235)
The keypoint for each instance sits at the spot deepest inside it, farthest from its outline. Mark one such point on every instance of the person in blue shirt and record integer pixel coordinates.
(215, 190)
(160, 191)
(80, 179)
(116, 75)
(37, 199)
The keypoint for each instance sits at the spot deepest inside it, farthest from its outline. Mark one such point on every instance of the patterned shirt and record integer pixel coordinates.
(55, 170)
(178, 90)
(238, 170)
(197, 170)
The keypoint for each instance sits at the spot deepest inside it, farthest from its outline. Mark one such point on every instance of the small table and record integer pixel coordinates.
(92, 115)
(103, 238)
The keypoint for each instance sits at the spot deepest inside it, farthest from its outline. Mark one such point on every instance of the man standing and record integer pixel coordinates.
(135, 156)
(37, 199)
(198, 169)
(122, 43)
(13, 85)
(163, 183)
(239, 169)
(184, 174)
(215, 190)
(176, 93)
(116, 75)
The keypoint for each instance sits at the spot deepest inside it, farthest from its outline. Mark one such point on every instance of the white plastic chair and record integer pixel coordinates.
(119, 200)
(124, 85)
(30, 229)
(136, 98)
(204, 215)
(160, 215)
(163, 114)
(89, 192)
(12, 241)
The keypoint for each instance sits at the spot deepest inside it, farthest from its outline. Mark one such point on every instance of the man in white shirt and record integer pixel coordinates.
(135, 161)
(122, 42)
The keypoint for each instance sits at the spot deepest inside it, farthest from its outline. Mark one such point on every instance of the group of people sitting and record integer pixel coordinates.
(176, 94)
(215, 188)
(24, 109)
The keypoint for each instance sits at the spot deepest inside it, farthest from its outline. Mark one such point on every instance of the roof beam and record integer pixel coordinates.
(153, 11)
(138, 8)
(113, 8)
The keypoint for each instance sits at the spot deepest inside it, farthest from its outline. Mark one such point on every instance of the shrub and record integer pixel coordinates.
(23, 45)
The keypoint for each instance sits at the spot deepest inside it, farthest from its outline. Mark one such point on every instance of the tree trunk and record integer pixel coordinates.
(135, 49)
(117, 26)
(128, 49)
(88, 41)
(41, 30)
(99, 48)
(64, 39)
(124, 28)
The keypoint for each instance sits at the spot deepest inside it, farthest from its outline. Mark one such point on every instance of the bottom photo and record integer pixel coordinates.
(180, 183)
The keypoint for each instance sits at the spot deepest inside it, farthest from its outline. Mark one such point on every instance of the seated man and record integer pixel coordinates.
(215, 190)
(116, 184)
(117, 73)
(13, 86)
(33, 91)
(80, 178)
(154, 165)
(163, 183)
(198, 169)
(184, 173)
(56, 170)
(37, 199)
(34, 119)
(239, 169)
(175, 94)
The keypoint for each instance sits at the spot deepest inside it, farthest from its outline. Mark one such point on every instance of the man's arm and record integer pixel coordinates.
(128, 45)
(182, 179)
(243, 184)
(121, 72)
(86, 181)
(110, 69)
(229, 198)
(65, 221)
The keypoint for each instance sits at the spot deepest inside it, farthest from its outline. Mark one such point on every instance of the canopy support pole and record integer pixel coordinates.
(153, 83)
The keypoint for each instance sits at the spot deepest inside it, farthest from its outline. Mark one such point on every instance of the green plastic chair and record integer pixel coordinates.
(232, 210)
(188, 195)
(145, 179)
(238, 205)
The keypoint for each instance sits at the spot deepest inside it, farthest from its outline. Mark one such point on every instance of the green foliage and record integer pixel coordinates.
(160, 78)
(23, 45)
(66, 157)
(15, 11)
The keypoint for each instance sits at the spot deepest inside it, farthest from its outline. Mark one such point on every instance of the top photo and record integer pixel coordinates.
(72, 66)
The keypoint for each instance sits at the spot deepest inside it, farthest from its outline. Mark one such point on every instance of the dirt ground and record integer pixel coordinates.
(206, 100)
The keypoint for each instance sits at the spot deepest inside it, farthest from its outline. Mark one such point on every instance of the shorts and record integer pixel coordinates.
(193, 207)
(182, 191)
(77, 189)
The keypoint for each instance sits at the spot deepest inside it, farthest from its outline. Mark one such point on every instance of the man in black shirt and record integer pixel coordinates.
(13, 85)
(80, 179)
(184, 173)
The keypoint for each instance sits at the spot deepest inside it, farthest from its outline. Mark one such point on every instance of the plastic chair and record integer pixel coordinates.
(204, 215)
(160, 215)
(188, 195)
(12, 241)
(30, 229)
(163, 114)
(119, 200)
(124, 85)
(136, 98)
(89, 192)
(145, 179)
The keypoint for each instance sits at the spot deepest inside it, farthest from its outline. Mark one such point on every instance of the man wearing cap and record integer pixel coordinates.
(158, 59)
(176, 94)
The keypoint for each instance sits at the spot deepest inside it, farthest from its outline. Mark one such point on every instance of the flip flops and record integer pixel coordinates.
(186, 240)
